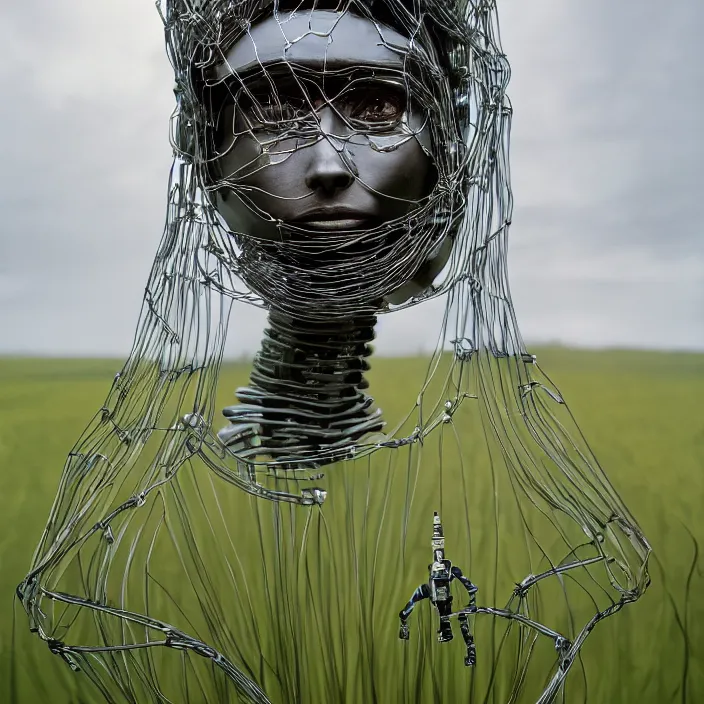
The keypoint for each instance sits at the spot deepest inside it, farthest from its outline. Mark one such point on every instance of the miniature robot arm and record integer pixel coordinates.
(423, 592)
(466, 583)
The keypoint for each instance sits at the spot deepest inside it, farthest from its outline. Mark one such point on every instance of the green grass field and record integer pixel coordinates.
(640, 411)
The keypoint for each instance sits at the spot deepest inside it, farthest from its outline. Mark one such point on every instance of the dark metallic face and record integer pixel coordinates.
(319, 133)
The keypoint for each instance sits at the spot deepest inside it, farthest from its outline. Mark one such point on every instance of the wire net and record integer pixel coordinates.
(265, 556)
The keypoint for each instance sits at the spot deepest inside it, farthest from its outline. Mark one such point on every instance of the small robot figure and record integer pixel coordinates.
(437, 589)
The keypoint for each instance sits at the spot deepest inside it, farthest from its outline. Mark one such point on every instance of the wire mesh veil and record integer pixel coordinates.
(263, 563)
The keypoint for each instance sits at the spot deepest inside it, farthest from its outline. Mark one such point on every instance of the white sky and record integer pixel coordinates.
(607, 245)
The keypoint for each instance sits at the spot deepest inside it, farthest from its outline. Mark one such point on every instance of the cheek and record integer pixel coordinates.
(248, 164)
(243, 160)
(401, 172)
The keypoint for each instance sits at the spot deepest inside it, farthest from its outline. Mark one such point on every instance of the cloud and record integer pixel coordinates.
(606, 245)
(606, 165)
(85, 158)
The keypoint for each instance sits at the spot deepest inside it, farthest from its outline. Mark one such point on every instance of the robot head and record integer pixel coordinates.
(440, 567)
(438, 539)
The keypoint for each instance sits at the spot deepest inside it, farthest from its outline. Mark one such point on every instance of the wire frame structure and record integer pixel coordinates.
(263, 553)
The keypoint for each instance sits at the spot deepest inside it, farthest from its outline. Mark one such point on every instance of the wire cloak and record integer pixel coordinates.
(174, 568)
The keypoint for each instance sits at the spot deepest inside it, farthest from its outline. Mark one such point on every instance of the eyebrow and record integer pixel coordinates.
(280, 70)
(225, 71)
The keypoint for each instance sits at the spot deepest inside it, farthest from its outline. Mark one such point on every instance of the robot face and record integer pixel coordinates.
(320, 129)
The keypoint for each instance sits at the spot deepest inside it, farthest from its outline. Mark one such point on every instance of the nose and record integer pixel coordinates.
(330, 169)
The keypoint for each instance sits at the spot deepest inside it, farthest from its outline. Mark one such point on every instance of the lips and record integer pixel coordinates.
(335, 219)
(336, 224)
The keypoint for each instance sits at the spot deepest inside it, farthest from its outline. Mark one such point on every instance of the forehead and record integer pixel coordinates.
(318, 39)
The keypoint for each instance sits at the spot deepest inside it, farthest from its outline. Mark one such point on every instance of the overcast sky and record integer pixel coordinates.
(607, 243)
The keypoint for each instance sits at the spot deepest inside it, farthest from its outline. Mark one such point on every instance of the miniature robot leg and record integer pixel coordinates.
(445, 609)
(423, 592)
(471, 657)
